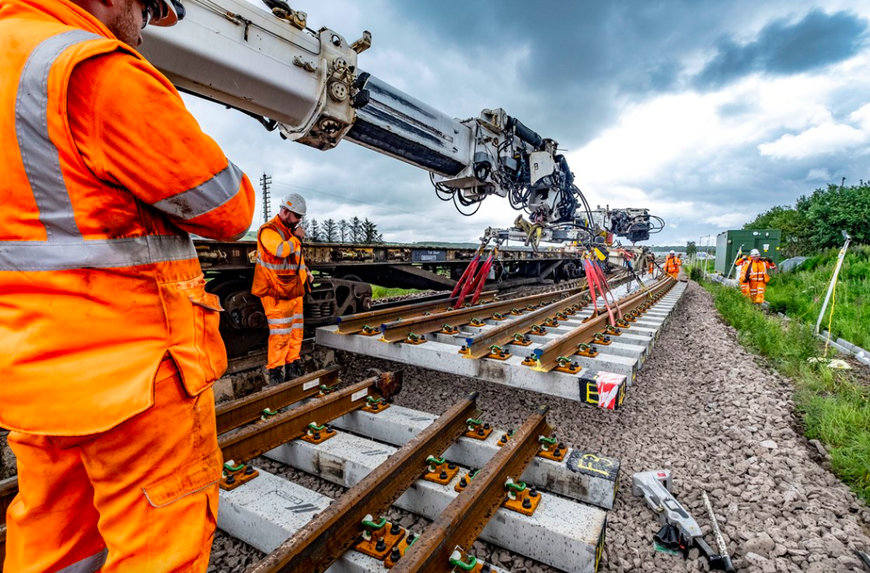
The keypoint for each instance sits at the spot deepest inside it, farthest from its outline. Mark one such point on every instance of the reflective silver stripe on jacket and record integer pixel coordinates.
(278, 267)
(285, 330)
(93, 254)
(204, 197)
(65, 248)
(286, 320)
(88, 564)
(39, 155)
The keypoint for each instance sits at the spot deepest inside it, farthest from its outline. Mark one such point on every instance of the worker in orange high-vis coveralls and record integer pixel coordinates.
(110, 340)
(739, 264)
(672, 265)
(754, 274)
(280, 280)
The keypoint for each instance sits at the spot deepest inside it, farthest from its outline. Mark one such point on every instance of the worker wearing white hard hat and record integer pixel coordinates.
(280, 280)
(754, 275)
(672, 265)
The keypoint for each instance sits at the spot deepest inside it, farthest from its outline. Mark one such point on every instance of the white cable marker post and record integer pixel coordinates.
(739, 252)
(831, 286)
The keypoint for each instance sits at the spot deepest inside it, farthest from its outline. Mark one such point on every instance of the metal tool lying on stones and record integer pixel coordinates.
(679, 531)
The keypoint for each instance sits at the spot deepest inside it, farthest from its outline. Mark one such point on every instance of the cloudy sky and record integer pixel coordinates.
(705, 112)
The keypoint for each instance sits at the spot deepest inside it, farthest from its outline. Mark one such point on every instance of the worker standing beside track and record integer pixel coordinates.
(754, 275)
(280, 280)
(672, 265)
(739, 265)
(111, 342)
(647, 261)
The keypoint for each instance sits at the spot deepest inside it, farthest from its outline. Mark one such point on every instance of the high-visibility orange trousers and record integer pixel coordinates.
(756, 291)
(285, 329)
(141, 497)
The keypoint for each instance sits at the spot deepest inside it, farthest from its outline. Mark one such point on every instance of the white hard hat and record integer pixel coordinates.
(164, 12)
(294, 202)
(672, 253)
(754, 253)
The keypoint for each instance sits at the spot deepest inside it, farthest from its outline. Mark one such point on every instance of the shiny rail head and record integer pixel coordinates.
(389, 384)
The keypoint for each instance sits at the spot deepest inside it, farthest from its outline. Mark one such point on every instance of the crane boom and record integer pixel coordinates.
(307, 84)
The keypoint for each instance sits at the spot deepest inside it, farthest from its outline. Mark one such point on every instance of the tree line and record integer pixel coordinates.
(342, 231)
(815, 221)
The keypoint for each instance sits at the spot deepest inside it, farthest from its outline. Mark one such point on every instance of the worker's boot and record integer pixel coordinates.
(276, 375)
(294, 370)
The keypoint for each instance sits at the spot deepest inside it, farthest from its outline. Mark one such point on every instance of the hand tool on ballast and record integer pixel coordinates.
(717, 533)
(679, 531)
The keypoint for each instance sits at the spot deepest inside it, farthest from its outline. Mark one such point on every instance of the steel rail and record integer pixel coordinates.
(334, 530)
(254, 439)
(466, 516)
(8, 491)
(479, 346)
(400, 329)
(353, 323)
(548, 354)
(231, 415)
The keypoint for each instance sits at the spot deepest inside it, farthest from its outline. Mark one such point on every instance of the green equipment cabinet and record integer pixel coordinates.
(729, 243)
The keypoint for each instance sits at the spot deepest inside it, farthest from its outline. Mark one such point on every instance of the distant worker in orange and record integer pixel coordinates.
(280, 280)
(739, 263)
(754, 275)
(647, 261)
(111, 341)
(672, 265)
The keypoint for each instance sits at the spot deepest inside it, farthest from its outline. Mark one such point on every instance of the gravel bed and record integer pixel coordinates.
(722, 422)
(707, 410)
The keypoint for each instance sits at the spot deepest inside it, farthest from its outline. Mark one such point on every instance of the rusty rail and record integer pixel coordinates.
(478, 346)
(8, 491)
(462, 521)
(400, 329)
(353, 323)
(254, 439)
(233, 414)
(548, 355)
(333, 531)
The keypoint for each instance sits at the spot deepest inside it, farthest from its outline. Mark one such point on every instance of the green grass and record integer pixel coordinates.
(382, 292)
(800, 294)
(835, 409)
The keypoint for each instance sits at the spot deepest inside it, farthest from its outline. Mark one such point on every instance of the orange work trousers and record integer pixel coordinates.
(285, 329)
(141, 497)
(756, 291)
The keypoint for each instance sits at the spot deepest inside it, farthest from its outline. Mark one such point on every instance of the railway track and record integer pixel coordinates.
(317, 424)
(562, 343)
(350, 435)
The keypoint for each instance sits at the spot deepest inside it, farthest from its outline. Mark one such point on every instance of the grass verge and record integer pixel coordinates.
(383, 292)
(800, 294)
(834, 407)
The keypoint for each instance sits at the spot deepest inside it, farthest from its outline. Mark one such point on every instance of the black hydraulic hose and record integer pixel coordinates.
(524, 133)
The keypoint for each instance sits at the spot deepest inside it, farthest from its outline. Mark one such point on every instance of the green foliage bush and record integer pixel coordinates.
(816, 220)
(800, 294)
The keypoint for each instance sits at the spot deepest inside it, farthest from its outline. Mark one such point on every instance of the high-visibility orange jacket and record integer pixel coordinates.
(739, 265)
(672, 266)
(280, 270)
(104, 174)
(754, 276)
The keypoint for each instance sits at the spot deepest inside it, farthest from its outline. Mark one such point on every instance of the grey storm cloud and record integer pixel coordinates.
(601, 55)
(816, 41)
